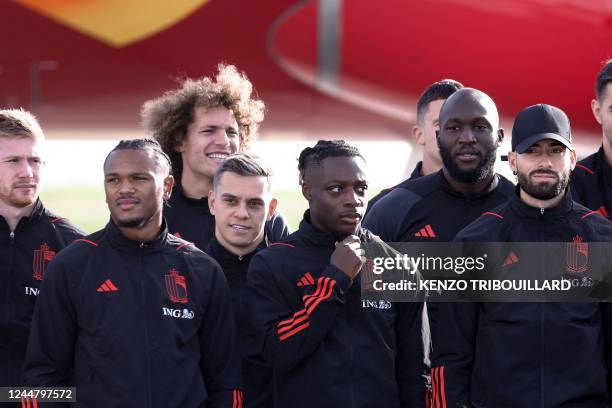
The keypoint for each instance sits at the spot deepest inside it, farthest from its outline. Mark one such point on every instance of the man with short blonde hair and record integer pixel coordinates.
(30, 236)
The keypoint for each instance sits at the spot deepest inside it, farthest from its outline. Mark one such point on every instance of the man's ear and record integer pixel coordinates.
(306, 190)
(418, 134)
(500, 137)
(180, 146)
(573, 160)
(168, 185)
(596, 108)
(271, 209)
(211, 201)
(512, 156)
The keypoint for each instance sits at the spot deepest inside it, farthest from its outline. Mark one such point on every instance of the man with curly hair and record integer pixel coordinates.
(198, 125)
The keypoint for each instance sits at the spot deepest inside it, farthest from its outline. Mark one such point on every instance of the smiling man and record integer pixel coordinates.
(326, 347)
(199, 125)
(556, 354)
(30, 236)
(131, 315)
(241, 201)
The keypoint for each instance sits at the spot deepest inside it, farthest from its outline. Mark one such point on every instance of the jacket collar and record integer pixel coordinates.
(327, 239)
(116, 238)
(225, 257)
(38, 213)
(604, 167)
(447, 188)
(559, 211)
(418, 171)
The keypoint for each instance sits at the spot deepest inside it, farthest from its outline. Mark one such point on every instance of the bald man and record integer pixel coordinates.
(436, 207)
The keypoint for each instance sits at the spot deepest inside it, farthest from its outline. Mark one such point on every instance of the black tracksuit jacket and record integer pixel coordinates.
(428, 209)
(327, 347)
(256, 375)
(26, 253)
(135, 325)
(546, 354)
(416, 173)
(591, 183)
(191, 220)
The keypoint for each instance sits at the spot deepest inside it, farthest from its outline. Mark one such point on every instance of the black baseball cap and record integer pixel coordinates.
(538, 122)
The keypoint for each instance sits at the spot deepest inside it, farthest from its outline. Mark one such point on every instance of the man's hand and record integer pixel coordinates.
(349, 257)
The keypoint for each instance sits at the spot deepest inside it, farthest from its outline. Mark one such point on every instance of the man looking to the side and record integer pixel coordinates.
(30, 236)
(326, 347)
(591, 180)
(131, 315)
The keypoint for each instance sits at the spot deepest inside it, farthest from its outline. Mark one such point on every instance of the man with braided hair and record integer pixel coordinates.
(326, 346)
(131, 315)
(198, 125)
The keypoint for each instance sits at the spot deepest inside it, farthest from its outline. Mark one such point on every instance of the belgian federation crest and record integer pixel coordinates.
(176, 287)
(41, 257)
(577, 255)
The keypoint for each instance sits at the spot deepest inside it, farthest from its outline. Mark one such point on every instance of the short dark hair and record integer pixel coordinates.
(143, 144)
(313, 156)
(603, 78)
(438, 90)
(242, 164)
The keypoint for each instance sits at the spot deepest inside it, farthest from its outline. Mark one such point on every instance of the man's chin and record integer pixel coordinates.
(22, 202)
(130, 223)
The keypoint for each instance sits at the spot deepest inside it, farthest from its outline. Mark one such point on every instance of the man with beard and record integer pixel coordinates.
(591, 180)
(131, 315)
(327, 348)
(424, 131)
(241, 201)
(30, 236)
(529, 354)
(436, 207)
(198, 125)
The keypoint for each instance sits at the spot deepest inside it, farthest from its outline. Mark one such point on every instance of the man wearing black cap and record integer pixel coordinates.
(591, 181)
(529, 354)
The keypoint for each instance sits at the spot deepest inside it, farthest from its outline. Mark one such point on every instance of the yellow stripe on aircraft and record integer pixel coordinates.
(115, 22)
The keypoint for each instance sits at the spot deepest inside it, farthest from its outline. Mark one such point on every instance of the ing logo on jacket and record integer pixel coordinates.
(41, 257)
(176, 287)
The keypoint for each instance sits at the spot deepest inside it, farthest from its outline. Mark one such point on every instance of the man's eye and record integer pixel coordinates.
(230, 200)
(362, 190)
(112, 180)
(255, 204)
(335, 189)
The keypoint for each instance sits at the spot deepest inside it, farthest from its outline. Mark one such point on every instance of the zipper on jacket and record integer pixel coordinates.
(350, 344)
(541, 212)
(542, 357)
(8, 290)
(144, 323)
